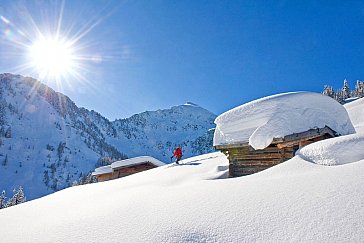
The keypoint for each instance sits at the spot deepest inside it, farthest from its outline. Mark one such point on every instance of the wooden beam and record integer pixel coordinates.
(306, 135)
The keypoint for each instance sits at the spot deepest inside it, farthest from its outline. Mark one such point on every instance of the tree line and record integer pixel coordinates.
(17, 198)
(344, 93)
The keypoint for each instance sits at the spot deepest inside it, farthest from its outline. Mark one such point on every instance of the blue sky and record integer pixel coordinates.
(218, 54)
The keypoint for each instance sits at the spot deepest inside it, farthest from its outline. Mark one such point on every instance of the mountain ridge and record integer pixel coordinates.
(47, 141)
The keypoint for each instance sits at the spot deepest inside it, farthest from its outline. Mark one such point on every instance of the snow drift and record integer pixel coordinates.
(279, 115)
(340, 150)
(296, 201)
(356, 113)
(335, 151)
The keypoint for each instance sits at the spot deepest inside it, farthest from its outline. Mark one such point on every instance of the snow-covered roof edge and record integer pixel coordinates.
(135, 161)
(102, 170)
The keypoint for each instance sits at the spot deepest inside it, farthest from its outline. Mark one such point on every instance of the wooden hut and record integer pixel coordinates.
(126, 167)
(103, 173)
(245, 160)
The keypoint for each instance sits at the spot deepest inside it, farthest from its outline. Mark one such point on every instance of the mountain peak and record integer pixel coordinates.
(191, 104)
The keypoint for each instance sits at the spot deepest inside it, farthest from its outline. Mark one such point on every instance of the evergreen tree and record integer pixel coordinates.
(2, 200)
(345, 90)
(339, 96)
(20, 197)
(329, 91)
(17, 198)
(12, 200)
(90, 179)
(60, 149)
(359, 89)
(46, 178)
(5, 161)
(8, 132)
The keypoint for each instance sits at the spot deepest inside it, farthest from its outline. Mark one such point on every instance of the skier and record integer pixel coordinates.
(178, 154)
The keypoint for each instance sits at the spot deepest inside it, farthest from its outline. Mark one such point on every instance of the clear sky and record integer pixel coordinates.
(134, 56)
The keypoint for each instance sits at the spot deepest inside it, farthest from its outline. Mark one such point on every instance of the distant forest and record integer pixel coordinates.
(341, 95)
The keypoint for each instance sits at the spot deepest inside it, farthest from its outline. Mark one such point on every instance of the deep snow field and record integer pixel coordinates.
(294, 201)
(301, 200)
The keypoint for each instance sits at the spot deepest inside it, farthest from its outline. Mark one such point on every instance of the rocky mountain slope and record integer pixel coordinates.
(47, 142)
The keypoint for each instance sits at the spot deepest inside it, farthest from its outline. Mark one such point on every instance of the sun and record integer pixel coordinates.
(53, 48)
(52, 57)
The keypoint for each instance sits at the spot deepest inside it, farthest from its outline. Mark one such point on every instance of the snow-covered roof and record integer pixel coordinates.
(126, 162)
(259, 121)
(135, 161)
(102, 170)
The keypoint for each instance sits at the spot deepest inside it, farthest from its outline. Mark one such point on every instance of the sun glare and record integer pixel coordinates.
(52, 57)
(52, 49)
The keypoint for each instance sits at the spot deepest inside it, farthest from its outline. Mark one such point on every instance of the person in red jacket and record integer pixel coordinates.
(178, 154)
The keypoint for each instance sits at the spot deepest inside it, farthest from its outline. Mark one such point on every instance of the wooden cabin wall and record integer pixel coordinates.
(125, 171)
(245, 160)
(104, 177)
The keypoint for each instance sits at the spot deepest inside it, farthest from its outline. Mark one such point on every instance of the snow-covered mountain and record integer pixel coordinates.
(159, 132)
(47, 142)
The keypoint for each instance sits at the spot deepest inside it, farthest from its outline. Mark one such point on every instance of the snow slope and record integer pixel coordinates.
(356, 113)
(44, 150)
(296, 201)
(279, 115)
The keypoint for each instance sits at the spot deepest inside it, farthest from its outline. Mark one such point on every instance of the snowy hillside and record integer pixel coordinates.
(356, 113)
(293, 202)
(159, 132)
(47, 142)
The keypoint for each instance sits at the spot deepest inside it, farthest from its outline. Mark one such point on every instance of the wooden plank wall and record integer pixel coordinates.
(125, 171)
(104, 177)
(246, 160)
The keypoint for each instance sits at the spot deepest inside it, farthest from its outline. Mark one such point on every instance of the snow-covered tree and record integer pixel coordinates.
(2, 200)
(329, 91)
(102, 161)
(85, 179)
(339, 96)
(359, 89)
(90, 179)
(345, 90)
(12, 200)
(17, 198)
(20, 197)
